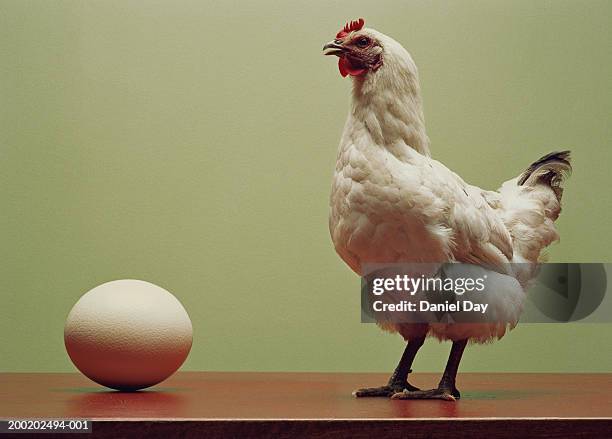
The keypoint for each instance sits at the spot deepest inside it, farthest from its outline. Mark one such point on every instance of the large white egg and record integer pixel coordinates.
(128, 334)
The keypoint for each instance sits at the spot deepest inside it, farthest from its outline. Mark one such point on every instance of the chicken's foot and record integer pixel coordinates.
(399, 380)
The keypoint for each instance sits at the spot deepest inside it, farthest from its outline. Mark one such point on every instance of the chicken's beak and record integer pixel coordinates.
(333, 48)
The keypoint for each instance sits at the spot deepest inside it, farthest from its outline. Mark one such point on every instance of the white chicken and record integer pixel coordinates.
(391, 202)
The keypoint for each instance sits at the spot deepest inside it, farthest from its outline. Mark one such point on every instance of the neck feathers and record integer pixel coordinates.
(388, 103)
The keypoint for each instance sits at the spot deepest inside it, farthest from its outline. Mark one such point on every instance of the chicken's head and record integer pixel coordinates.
(358, 50)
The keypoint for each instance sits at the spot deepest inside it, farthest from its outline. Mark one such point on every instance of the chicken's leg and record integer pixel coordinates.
(399, 380)
(446, 388)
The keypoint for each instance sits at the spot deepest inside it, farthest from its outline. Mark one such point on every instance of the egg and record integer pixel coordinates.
(128, 334)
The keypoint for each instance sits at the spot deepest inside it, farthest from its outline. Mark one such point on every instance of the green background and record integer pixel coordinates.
(191, 144)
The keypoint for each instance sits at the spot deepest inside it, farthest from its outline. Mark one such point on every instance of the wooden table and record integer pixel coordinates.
(196, 404)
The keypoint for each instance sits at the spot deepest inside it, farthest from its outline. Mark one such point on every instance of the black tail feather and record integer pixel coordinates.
(551, 169)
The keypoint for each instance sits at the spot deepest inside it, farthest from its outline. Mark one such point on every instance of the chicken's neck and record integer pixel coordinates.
(388, 105)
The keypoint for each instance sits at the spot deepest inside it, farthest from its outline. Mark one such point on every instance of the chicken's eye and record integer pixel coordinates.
(363, 42)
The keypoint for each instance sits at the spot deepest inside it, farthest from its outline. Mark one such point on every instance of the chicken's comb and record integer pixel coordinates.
(350, 27)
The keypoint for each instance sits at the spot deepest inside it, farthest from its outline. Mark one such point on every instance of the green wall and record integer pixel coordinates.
(191, 144)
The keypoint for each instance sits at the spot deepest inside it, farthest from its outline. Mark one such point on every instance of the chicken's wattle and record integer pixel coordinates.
(347, 68)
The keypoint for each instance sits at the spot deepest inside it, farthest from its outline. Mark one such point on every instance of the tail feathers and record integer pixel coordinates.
(552, 169)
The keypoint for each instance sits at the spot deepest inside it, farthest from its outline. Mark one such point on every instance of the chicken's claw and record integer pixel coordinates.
(383, 391)
(440, 393)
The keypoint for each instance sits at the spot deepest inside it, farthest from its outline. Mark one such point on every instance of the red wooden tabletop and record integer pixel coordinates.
(303, 396)
(299, 396)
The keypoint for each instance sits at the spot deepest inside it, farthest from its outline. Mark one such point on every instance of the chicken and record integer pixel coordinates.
(391, 202)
